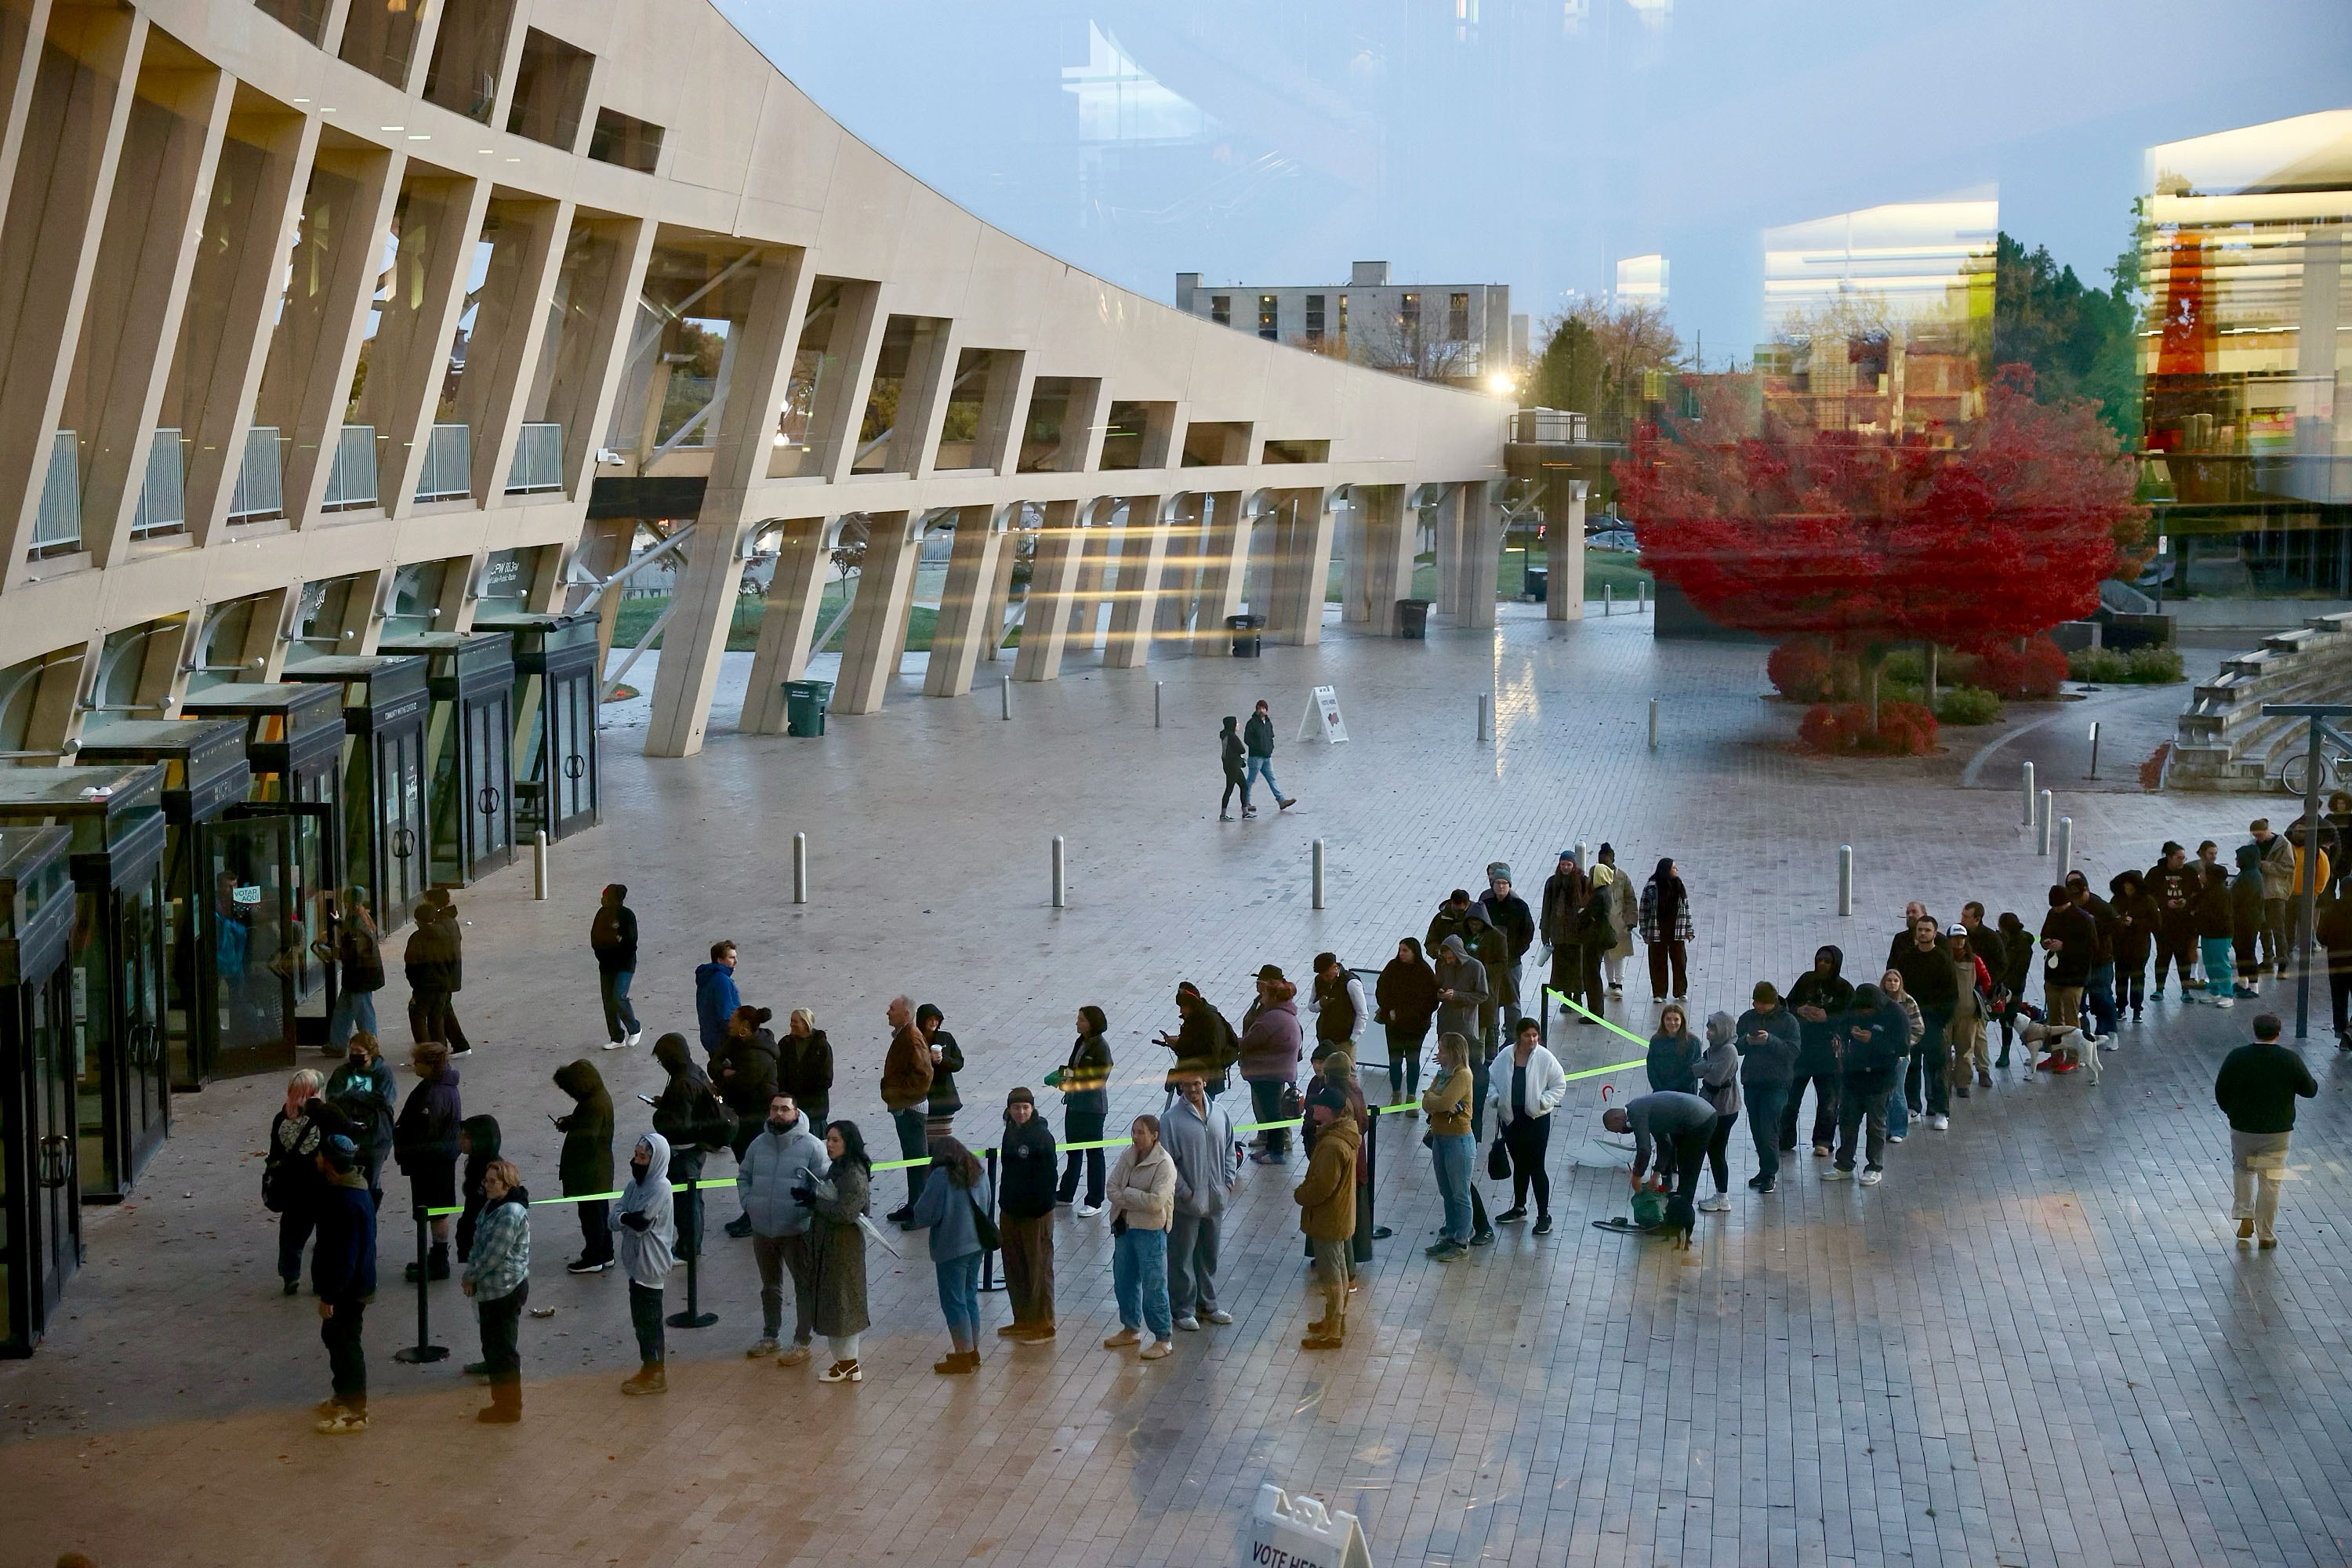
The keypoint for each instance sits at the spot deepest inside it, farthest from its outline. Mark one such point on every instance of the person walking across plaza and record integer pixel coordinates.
(1666, 931)
(613, 937)
(1876, 1039)
(1930, 979)
(782, 1155)
(290, 1176)
(1559, 923)
(1234, 758)
(1340, 1008)
(1819, 999)
(1537, 1086)
(1672, 1062)
(1257, 740)
(361, 1089)
(1769, 1041)
(715, 998)
(906, 1096)
(2256, 1089)
(644, 1227)
(358, 956)
(804, 1066)
(1508, 913)
(1199, 1137)
(586, 1165)
(424, 1146)
(343, 1276)
(1406, 998)
(1269, 1059)
(1326, 1196)
(1142, 1200)
(1024, 1223)
(498, 1279)
(1446, 1103)
(954, 1206)
(1085, 1082)
(841, 1198)
(695, 1124)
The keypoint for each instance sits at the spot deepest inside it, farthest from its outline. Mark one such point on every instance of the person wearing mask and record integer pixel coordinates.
(343, 1276)
(645, 1228)
(1537, 1086)
(1964, 1031)
(1257, 740)
(1667, 931)
(613, 936)
(1203, 1042)
(1406, 997)
(2210, 911)
(1875, 1036)
(715, 997)
(1674, 1127)
(1672, 1062)
(290, 1179)
(436, 964)
(358, 956)
(906, 1096)
(1340, 1008)
(2135, 936)
(804, 1066)
(840, 1198)
(2256, 1089)
(1447, 1102)
(956, 1198)
(2174, 886)
(1199, 1137)
(361, 1089)
(744, 1073)
(478, 1143)
(1624, 916)
(586, 1165)
(2069, 938)
(1024, 1224)
(424, 1145)
(2019, 955)
(946, 1060)
(1507, 913)
(498, 1279)
(694, 1123)
(1769, 1041)
(1326, 1196)
(1928, 979)
(1269, 1058)
(1235, 759)
(782, 1155)
(1898, 1109)
(1085, 1083)
(1819, 998)
(2333, 928)
(1565, 893)
(1718, 1084)
(1143, 1202)
(1488, 946)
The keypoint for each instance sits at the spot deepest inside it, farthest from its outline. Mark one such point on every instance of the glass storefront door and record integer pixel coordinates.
(571, 749)
(398, 827)
(311, 887)
(489, 740)
(146, 1090)
(54, 1205)
(258, 938)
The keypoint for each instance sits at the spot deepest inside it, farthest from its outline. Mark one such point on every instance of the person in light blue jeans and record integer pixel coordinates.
(955, 1195)
(1446, 1103)
(1142, 1201)
(358, 956)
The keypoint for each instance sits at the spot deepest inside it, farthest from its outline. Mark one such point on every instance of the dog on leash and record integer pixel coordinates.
(2067, 1046)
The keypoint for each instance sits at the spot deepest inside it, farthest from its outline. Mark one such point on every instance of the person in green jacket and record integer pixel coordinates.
(2256, 1089)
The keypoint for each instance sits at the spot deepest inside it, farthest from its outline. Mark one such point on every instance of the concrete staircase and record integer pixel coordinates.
(2223, 741)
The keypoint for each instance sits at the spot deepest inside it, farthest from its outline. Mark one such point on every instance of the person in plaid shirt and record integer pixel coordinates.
(498, 1277)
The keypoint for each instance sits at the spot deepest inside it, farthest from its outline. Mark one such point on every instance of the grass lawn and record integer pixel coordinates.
(744, 632)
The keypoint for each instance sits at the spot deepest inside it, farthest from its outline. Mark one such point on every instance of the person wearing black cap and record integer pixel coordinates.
(1204, 1043)
(342, 1274)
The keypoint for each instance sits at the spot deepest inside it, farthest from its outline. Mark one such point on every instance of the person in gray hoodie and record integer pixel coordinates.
(644, 1228)
(785, 1154)
(1768, 1041)
(1718, 1084)
(1461, 994)
(1200, 1138)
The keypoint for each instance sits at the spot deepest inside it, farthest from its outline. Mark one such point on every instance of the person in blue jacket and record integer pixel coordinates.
(342, 1273)
(715, 998)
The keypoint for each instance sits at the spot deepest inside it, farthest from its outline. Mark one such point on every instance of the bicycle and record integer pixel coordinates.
(2294, 771)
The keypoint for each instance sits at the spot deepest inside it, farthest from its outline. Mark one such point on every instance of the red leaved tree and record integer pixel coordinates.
(1865, 541)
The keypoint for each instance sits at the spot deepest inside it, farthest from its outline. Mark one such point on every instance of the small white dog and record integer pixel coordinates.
(2067, 1042)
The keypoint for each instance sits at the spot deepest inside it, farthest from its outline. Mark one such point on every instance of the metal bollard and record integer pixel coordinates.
(423, 1350)
(539, 866)
(2029, 794)
(1061, 885)
(1318, 873)
(2065, 846)
(1155, 702)
(1482, 718)
(2094, 748)
(2041, 825)
(1608, 599)
(1583, 859)
(799, 867)
(1640, 598)
(1654, 723)
(1845, 878)
(1007, 691)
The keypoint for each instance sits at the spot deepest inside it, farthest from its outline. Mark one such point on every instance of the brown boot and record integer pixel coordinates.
(652, 1378)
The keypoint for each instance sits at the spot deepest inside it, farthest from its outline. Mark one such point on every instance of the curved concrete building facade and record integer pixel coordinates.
(321, 318)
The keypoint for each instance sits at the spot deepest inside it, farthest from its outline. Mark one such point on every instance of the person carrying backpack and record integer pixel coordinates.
(695, 1124)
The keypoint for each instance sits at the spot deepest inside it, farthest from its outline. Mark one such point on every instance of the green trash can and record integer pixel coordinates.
(804, 703)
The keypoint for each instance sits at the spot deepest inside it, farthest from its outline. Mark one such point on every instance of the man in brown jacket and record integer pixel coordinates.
(906, 1094)
(1327, 1210)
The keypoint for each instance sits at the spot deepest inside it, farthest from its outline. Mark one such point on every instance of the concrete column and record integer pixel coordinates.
(605, 545)
(795, 591)
(968, 601)
(1092, 587)
(1390, 538)
(1448, 553)
(1357, 605)
(877, 619)
(1224, 567)
(1135, 604)
(409, 362)
(1302, 567)
(1000, 592)
(508, 334)
(1053, 578)
(1179, 576)
(1564, 548)
(1482, 553)
(21, 31)
(583, 404)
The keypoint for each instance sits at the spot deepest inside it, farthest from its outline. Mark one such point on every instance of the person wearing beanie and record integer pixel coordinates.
(425, 1144)
(613, 937)
(342, 1274)
(1507, 913)
(693, 1123)
(1326, 1196)
(1024, 1205)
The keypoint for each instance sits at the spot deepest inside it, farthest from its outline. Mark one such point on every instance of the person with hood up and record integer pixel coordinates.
(1338, 1070)
(1718, 1084)
(782, 1154)
(586, 1164)
(478, 1139)
(1235, 759)
(2173, 884)
(2017, 954)
(1876, 1037)
(424, 1145)
(1768, 1040)
(691, 1119)
(1257, 741)
(946, 1060)
(291, 1178)
(715, 997)
(343, 1276)
(646, 1226)
(1673, 1064)
(613, 936)
(434, 961)
(1085, 1083)
(1565, 893)
(1464, 995)
(956, 1197)
(1326, 1196)
(906, 1096)
(804, 1066)
(361, 1089)
(1507, 913)
(2245, 916)
(1199, 1137)
(1537, 1086)
(1819, 998)
(498, 1277)
(1488, 946)
(2136, 916)
(1666, 929)
(744, 1074)
(840, 1197)
(1142, 1201)
(1024, 1224)
(1624, 915)
(1204, 1043)
(1405, 999)
(1269, 1060)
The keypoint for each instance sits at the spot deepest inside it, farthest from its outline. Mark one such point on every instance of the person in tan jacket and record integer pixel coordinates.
(1141, 1199)
(907, 1095)
(1327, 1210)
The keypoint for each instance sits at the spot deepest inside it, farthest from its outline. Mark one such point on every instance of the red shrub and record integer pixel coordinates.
(2033, 668)
(1801, 669)
(1905, 730)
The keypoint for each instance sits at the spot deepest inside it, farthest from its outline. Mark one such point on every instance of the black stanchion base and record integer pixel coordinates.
(691, 1319)
(1382, 1233)
(421, 1355)
(985, 1289)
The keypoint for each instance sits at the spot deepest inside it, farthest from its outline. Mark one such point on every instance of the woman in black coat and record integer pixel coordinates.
(424, 1145)
(804, 1066)
(1024, 1202)
(1404, 1000)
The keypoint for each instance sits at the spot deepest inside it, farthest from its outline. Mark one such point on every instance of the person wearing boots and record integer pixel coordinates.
(343, 1276)
(692, 1121)
(586, 1162)
(1025, 1224)
(646, 1226)
(1326, 1196)
(498, 1277)
(424, 1145)
(784, 1154)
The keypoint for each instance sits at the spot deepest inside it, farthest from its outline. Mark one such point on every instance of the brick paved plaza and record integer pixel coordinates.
(2034, 1344)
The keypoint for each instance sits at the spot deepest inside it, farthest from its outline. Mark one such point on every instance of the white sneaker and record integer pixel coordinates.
(1715, 1204)
(1157, 1349)
(1871, 1178)
(620, 1045)
(1191, 1325)
(1087, 1211)
(1940, 1123)
(1218, 1315)
(634, 1036)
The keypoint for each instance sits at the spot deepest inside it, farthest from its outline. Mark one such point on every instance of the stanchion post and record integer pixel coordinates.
(1318, 873)
(1608, 599)
(1005, 690)
(423, 1351)
(2094, 748)
(1845, 878)
(539, 866)
(988, 1279)
(1640, 598)
(1482, 718)
(2029, 794)
(1060, 883)
(1372, 1175)
(2065, 846)
(799, 867)
(693, 1316)
(1155, 686)
(1654, 723)
(2042, 824)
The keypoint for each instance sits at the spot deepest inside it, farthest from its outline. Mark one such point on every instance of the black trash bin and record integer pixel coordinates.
(1413, 619)
(1245, 629)
(804, 703)
(1539, 584)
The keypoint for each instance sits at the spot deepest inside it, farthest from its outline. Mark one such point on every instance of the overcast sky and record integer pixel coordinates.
(1536, 142)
